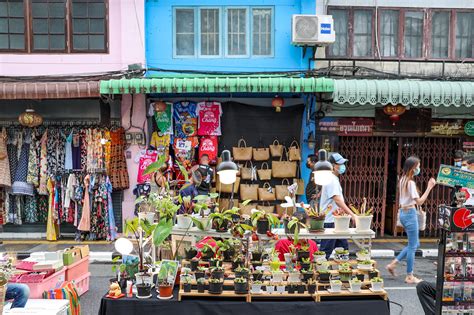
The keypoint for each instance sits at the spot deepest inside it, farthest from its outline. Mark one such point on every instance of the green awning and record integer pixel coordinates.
(405, 92)
(216, 85)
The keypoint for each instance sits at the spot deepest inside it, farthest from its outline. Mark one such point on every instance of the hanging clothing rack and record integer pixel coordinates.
(65, 123)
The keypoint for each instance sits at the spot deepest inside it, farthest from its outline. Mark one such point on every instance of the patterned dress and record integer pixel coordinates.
(43, 161)
(5, 176)
(20, 186)
(85, 222)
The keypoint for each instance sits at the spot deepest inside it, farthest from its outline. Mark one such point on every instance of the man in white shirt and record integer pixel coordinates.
(331, 194)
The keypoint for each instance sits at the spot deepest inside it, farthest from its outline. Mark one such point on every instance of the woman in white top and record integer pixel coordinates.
(409, 200)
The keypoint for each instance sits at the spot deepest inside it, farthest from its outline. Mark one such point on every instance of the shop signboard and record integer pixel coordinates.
(453, 176)
(328, 125)
(469, 128)
(447, 127)
(355, 126)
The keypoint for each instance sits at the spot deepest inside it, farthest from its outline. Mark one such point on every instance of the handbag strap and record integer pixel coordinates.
(285, 180)
(284, 153)
(266, 164)
(267, 185)
(239, 144)
(297, 145)
(276, 142)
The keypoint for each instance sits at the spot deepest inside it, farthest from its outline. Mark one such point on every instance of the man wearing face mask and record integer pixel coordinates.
(331, 195)
(458, 157)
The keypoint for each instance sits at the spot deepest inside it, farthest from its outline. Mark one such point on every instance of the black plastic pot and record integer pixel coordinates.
(123, 283)
(373, 274)
(217, 274)
(190, 253)
(361, 277)
(215, 288)
(263, 226)
(199, 274)
(194, 265)
(242, 274)
(213, 262)
(200, 287)
(237, 264)
(241, 288)
(302, 254)
(311, 288)
(187, 287)
(207, 255)
(301, 288)
(291, 289)
(229, 254)
(324, 277)
(307, 276)
(257, 276)
(305, 266)
(143, 290)
(256, 256)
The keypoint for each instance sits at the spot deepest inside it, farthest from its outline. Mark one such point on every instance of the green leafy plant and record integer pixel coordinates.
(376, 279)
(6, 271)
(366, 262)
(355, 280)
(240, 280)
(306, 260)
(257, 282)
(242, 269)
(362, 211)
(201, 281)
(118, 266)
(318, 212)
(214, 280)
(262, 215)
(224, 218)
(297, 225)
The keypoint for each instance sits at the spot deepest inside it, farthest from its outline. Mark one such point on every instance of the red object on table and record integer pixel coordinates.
(283, 247)
(207, 240)
(115, 297)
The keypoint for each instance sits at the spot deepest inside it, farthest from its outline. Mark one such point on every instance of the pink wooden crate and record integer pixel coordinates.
(82, 283)
(49, 283)
(78, 269)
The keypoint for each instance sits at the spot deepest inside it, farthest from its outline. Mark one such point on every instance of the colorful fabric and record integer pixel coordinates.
(43, 173)
(208, 145)
(161, 143)
(3, 209)
(163, 115)
(146, 159)
(51, 226)
(30, 209)
(33, 163)
(5, 177)
(85, 222)
(42, 205)
(76, 152)
(68, 152)
(184, 149)
(209, 118)
(185, 117)
(20, 186)
(112, 226)
(119, 173)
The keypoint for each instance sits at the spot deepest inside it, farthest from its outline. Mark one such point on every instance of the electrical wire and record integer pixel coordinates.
(402, 308)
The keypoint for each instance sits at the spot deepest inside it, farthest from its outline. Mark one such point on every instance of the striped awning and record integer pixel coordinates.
(48, 90)
(237, 84)
(405, 92)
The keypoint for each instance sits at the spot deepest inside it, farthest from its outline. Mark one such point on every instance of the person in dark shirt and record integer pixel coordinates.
(190, 190)
(311, 188)
(207, 173)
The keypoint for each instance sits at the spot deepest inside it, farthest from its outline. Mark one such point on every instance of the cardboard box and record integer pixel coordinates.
(84, 250)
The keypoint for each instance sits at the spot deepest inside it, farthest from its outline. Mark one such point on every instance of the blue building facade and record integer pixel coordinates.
(234, 36)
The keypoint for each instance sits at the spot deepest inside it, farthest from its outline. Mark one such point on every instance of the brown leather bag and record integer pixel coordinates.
(264, 173)
(249, 191)
(267, 207)
(301, 189)
(227, 188)
(247, 209)
(246, 171)
(261, 154)
(294, 152)
(276, 149)
(266, 193)
(281, 211)
(284, 169)
(281, 191)
(242, 152)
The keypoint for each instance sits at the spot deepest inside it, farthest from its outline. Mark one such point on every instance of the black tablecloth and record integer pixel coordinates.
(218, 306)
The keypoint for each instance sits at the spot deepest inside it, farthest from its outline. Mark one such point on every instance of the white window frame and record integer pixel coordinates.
(247, 32)
(272, 26)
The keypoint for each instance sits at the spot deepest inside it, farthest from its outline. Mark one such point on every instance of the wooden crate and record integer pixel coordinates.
(345, 293)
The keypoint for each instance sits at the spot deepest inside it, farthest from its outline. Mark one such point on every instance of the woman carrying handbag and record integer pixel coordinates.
(410, 200)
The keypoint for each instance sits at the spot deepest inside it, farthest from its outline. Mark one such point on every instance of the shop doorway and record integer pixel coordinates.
(375, 164)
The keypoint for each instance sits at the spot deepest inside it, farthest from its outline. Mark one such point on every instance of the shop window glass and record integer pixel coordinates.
(262, 32)
(12, 25)
(184, 28)
(341, 21)
(236, 32)
(413, 36)
(210, 44)
(389, 33)
(464, 34)
(440, 34)
(88, 25)
(362, 33)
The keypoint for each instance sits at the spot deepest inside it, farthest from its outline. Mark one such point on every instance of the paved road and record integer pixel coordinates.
(398, 291)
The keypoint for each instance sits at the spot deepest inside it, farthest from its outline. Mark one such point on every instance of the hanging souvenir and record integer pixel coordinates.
(146, 159)
(163, 113)
(185, 119)
(208, 145)
(209, 118)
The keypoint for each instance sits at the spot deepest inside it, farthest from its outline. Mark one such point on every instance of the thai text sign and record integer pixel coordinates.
(447, 128)
(469, 128)
(453, 176)
(347, 126)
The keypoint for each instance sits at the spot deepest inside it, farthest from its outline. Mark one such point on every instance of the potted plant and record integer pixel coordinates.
(194, 264)
(361, 277)
(365, 265)
(336, 286)
(373, 274)
(143, 289)
(241, 286)
(184, 220)
(307, 274)
(200, 272)
(238, 261)
(341, 254)
(292, 287)
(311, 286)
(215, 261)
(264, 221)
(316, 218)
(277, 276)
(242, 272)
(341, 221)
(120, 270)
(257, 255)
(221, 221)
(201, 209)
(363, 254)
(275, 262)
(294, 226)
(319, 255)
(165, 282)
(217, 272)
(377, 284)
(256, 287)
(226, 249)
(355, 285)
(294, 276)
(303, 252)
(305, 263)
(324, 276)
(322, 266)
(279, 287)
(215, 286)
(345, 274)
(190, 253)
(363, 217)
(301, 288)
(270, 288)
(257, 275)
(344, 265)
(186, 280)
(207, 251)
(201, 284)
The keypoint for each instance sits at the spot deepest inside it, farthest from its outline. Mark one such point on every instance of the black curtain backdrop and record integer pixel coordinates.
(259, 125)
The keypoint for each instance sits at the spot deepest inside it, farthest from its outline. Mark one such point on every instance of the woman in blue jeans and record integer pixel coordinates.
(409, 200)
(19, 293)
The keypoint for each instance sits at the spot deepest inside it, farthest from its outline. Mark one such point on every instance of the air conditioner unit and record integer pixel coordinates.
(312, 30)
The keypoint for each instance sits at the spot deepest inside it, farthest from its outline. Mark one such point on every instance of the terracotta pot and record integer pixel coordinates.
(166, 291)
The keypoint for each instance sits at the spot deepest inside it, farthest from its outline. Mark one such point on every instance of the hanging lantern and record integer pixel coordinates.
(160, 106)
(394, 111)
(278, 103)
(30, 119)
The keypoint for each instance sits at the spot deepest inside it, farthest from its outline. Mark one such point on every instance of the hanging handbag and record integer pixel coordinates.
(249, 191)
(248, 173)
(264, 173)
(242, 152)
(227, 188)
(284, 169)
(266, 193)
(247, 209)
(282, 211)
(281, 191)
(223, 203)
(276, 149)
(300, 182)
(267, 207)
(294, 152)
(261, 154)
